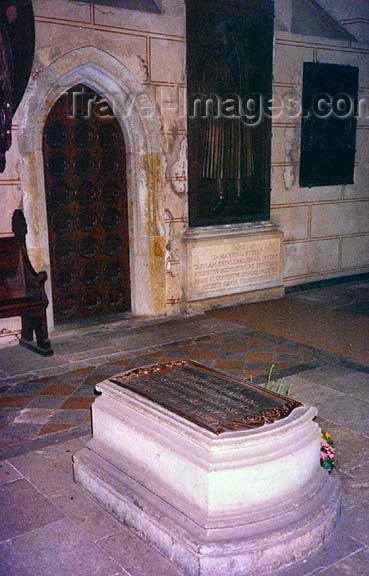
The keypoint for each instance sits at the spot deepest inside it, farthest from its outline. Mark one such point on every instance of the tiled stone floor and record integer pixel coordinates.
(49, 527)
(318, 318)
(352, 297)
(34, 408)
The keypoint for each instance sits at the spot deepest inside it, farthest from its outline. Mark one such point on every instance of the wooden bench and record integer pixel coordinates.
(22, 290)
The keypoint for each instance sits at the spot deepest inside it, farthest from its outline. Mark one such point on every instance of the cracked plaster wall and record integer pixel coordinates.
(326, 229)
(116, 52)
(151, 49)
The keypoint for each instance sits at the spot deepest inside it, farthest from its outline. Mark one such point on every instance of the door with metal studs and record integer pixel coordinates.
(86, 200)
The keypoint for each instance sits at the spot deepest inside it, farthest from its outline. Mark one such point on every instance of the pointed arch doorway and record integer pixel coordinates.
(87, 210)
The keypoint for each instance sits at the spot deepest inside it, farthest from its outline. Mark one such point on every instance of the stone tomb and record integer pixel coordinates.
(222, 477)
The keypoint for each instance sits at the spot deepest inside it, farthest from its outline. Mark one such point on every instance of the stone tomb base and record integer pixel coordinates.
(222, 477)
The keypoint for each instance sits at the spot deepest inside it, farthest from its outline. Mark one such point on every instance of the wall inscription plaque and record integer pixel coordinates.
(218, 267)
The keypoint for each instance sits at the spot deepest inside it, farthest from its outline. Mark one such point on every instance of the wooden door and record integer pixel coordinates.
(86, 199)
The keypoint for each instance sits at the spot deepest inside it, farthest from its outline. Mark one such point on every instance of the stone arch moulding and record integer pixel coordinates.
(106, 75)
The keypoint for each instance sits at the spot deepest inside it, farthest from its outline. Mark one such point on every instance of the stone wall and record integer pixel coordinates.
(351, 14)
(326, 229)
(117, 52)
(114, 50)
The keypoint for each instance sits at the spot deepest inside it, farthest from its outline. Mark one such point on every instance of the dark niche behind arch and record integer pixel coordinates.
(17, 46)
(229, 63)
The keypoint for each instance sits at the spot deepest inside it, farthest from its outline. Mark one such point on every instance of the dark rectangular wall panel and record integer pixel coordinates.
(328, 130)
(229, 62)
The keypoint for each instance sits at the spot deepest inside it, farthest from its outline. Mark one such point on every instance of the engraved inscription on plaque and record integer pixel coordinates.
(218, 269)
(206, 397)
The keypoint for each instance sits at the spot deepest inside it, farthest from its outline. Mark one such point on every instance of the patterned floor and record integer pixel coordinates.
(50, 527)
(44, 399)
(34, 408)
(336, 331)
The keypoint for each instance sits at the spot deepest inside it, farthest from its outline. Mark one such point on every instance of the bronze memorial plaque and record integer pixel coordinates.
(206, 397)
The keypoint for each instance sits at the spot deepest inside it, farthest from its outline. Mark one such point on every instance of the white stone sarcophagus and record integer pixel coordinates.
(222, 477)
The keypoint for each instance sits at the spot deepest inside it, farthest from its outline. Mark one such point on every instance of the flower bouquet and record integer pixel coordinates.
(327, 452)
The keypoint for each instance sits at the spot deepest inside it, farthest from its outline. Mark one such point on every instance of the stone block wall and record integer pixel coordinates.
(351, 14)
(151, 48)
(326, 228)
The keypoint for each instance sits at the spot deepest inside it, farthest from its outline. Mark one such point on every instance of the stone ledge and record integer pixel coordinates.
(257, 548)
(249, 297)
(229, 230)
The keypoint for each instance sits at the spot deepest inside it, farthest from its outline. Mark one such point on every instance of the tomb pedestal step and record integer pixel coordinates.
(223, 480)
